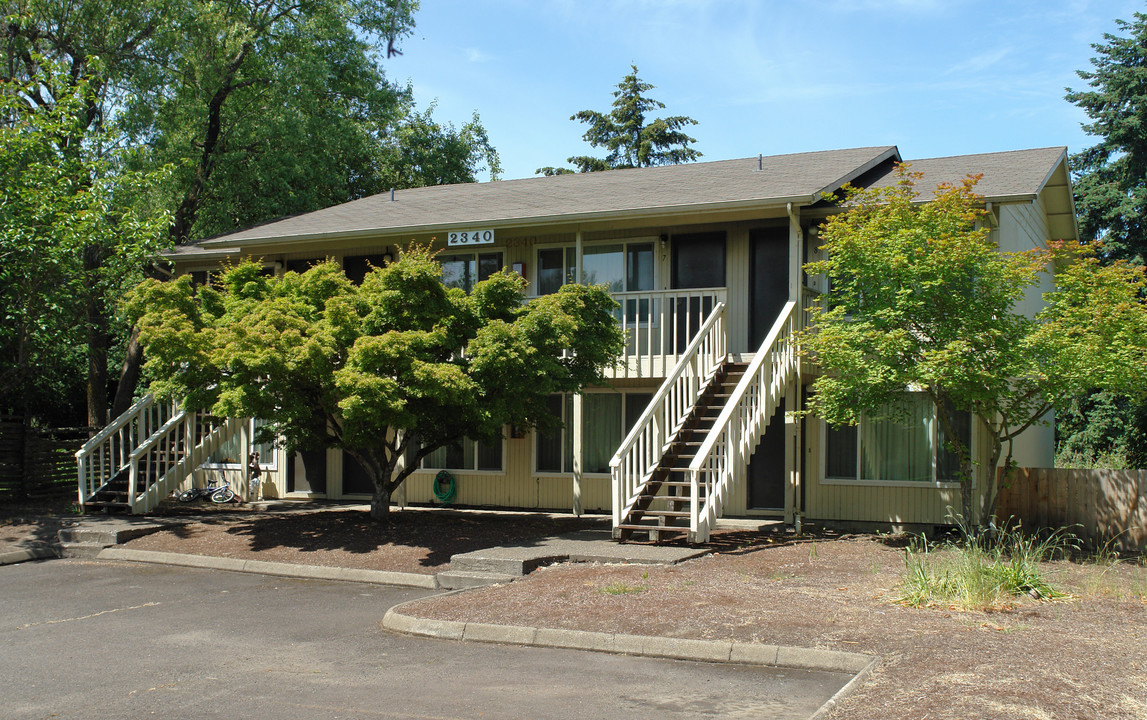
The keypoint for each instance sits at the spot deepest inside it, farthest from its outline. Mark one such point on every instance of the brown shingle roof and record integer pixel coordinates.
(796, 177)
(1015, 174)
(725, 184)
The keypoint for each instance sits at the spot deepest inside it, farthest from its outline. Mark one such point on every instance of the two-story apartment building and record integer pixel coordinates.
(705, 261)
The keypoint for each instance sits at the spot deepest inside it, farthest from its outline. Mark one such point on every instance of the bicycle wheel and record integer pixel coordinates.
(188, 495)
(223, 495)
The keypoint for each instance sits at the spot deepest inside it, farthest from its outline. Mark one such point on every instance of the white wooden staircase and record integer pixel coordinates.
(674, 472)
(145, 453)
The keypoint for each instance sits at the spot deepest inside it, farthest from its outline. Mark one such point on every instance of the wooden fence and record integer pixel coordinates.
(37, 463)
(1098, 506)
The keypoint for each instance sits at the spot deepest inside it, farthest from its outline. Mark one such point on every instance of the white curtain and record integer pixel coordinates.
(899, 451)
(601, 430)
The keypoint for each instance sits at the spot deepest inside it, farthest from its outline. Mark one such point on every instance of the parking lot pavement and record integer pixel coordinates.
(87, 639)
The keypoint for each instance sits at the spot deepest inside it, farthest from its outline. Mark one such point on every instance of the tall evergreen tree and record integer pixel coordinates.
(1111, 177)
(1111, 202)
(629, 139)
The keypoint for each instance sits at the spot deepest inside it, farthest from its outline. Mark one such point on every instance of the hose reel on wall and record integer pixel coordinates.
(444, 497)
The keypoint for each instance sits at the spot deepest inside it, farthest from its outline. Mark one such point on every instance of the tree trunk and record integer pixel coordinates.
(129, 375)
(99, 338)
(380, 503)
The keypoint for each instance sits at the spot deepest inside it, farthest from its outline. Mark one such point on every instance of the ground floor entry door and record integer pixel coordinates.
(768, 293)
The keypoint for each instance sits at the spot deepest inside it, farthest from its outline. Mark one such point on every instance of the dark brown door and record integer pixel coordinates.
(768, 293)
(698, 262)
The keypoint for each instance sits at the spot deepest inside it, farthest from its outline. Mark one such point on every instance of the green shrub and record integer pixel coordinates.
(981, 573)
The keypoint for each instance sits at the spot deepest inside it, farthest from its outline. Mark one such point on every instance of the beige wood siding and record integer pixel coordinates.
(1024, 226)
(737, 280)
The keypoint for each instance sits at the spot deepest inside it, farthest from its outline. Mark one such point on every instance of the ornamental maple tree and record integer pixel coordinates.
(921, 297)
(397, 367)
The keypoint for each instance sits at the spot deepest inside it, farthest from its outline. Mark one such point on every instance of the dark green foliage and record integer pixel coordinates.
(65, 201)
(1111, 177)
(1102, 429)
(631, 141)
(1111, 202)
(237, 113)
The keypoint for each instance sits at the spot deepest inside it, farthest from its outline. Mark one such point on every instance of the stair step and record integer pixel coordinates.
(80, 550)
(659, 529)
(107, 506)
(666, 513)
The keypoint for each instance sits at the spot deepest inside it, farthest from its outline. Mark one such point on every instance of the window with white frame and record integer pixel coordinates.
(465, 270)
(467, 454)
(606, 418)
(556, 267)
(914, 449)
(625, 266)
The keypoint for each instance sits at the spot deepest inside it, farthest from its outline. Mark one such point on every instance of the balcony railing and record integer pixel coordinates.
(658, 326)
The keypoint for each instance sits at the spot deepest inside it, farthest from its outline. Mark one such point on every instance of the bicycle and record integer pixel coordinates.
(217, 493)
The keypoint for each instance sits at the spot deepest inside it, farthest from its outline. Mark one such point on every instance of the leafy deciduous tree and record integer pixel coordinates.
(265, 109)
(65, 199)
(921, 297)
(399, 364)
(630, 140)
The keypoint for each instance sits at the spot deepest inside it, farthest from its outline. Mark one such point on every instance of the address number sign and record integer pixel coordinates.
(471, 237)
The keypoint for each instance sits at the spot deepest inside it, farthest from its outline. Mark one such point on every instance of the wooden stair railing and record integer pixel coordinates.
(642, 450)
(686, 488)
(142, 455)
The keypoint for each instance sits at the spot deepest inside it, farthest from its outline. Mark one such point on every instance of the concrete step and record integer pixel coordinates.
(80, 550)
(105, 535)
(459, 579)
(500, 561)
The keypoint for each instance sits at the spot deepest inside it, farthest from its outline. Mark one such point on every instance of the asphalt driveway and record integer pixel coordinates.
(115, 640)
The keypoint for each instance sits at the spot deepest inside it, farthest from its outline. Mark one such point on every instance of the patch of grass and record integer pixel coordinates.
(981, 574)
(619, 587)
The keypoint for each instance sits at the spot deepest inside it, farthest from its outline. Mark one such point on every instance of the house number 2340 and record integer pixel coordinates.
(471, 237)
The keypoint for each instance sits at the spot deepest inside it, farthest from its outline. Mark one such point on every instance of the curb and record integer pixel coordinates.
(642, 645)
(845, 691)
(262, 567)
(12, 557)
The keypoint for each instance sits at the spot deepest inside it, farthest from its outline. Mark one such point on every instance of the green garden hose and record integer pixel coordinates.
(447, 497)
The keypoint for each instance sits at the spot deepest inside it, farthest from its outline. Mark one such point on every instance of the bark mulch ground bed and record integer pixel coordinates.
(415, 540)
(1085, 657)
(1082, 657)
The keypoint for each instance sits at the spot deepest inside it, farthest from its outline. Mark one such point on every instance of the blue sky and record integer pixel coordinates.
(934, 77)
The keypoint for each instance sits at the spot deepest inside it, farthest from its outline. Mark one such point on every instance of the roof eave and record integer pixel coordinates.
(890, 152)
(667, 211)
